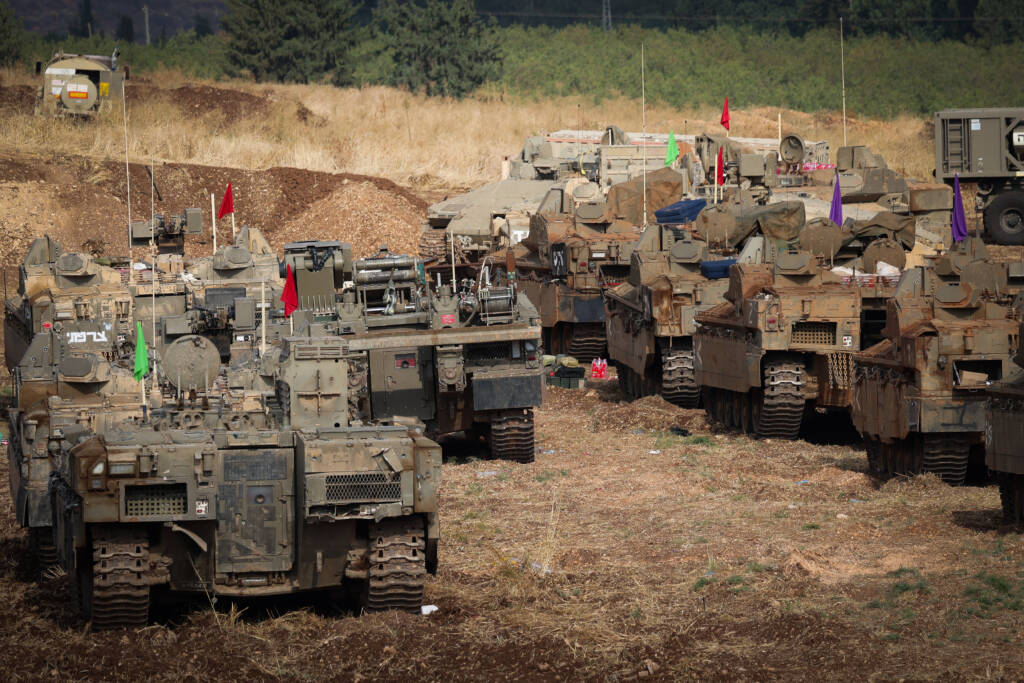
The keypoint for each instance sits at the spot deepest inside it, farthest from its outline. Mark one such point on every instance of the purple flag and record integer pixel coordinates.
(959, 219)
(835, 214)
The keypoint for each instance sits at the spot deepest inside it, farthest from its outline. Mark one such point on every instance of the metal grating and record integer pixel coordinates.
(814, 333)
(156, 501)
(486, 352)
(364, 487)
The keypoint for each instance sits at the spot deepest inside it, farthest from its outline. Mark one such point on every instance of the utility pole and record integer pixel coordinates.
(145, 15)
(606, 15)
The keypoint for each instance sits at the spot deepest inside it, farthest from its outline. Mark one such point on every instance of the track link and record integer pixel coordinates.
(120, 593)
(782, 403)
(397, 565)
(678, 382)
(1011, 495)
(42, 551)
(586, 342)
(946, 455)
(432, 243)
(512, 436)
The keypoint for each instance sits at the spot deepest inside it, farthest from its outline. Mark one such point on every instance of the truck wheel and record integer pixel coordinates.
(1004, 218)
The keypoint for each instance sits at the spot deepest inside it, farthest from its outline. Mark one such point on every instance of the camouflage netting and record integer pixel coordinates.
(664, 186)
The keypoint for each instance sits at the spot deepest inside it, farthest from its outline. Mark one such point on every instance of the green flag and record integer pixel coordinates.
(141, 354)
(672, 153)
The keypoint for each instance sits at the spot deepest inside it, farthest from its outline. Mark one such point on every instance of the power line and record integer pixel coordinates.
(679, 18)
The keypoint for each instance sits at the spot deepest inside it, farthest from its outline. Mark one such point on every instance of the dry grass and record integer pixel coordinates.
(619, 551)
(427, 142)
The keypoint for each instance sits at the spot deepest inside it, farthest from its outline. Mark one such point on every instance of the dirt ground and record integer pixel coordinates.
(625, 551)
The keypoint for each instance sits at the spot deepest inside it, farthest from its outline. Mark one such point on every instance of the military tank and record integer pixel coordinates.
(1004, 412)
(919, 395)
(679, 267)
(80, 85)
(67, 308)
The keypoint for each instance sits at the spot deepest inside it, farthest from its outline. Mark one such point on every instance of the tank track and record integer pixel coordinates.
(42, 551)
(945, 455)
(512, 436)
(678, 382)
(432, 243)
(587, 342)
(782, 405)
(1011, 495)
(119, 596)
(397, 565)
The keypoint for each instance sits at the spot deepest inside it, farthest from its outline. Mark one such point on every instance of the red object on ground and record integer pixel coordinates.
(227, 204)
(725, 114)
(599, 369)
(290, 295)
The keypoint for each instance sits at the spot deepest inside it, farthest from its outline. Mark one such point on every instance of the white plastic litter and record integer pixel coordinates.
(886, 270)
(428, 609)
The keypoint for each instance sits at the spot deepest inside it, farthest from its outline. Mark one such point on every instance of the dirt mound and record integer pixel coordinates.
(200, 100)
(17, 99)
(287, 204)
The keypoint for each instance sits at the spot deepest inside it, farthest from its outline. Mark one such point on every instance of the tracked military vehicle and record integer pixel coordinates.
(80, 85)
(1004, 412)
(919, 394)
(68, 312)
(459, 356)
(677, 269)
(576, 248)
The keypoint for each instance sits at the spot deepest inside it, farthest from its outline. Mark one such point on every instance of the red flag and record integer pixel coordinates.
(227, 205)
(725, 114)
(720, 168)
(290, 296)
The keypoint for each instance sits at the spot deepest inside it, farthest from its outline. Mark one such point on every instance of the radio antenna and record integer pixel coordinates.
(128, 182)
(643, 123)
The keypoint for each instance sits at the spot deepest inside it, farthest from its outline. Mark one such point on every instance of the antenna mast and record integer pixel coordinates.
(128, 183)
(606, 15)
(842, 67)
(643, 123)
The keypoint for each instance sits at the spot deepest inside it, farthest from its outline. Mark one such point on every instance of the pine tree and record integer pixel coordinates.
(291, 40)
(12, 36)
(126, 29)
(439, 46)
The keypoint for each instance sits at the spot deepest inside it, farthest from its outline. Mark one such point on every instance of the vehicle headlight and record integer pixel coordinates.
(99, 468)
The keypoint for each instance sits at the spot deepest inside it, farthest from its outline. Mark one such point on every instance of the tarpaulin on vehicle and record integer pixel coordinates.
(733, 223)
(664, 186)
(716, 270)
(887, 224)
(684, 211)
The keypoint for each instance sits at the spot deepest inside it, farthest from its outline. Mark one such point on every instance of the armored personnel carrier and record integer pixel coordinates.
(461, 356)
(576, 248)
(919, 394)
(783, 341)
(1004, 413)
(80, 85)
(68, 311)
(678, 268)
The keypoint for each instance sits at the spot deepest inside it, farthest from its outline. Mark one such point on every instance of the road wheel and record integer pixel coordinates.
(1004, 218)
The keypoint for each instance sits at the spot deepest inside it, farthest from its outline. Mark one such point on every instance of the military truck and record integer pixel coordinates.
(1004, 413)
(677, 268)
(986, 147)
(919, 395)
(80, 85)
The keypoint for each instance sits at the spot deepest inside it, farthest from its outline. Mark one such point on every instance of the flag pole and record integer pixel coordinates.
(232, 225)
(263, 318)
(213, 215)
(842, 67)
(128, 182)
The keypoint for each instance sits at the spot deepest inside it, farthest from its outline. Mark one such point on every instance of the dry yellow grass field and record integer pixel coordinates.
(425, 142)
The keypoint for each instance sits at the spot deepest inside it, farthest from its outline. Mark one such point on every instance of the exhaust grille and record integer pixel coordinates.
(814, 333)
(366, 487)
(159, 500)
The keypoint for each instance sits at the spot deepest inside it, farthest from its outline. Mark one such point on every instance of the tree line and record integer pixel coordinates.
(447, 48)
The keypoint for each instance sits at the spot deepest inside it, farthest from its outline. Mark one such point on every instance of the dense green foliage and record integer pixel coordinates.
(291, 40)
(885, 76)
(12, 37)
(440, 46)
